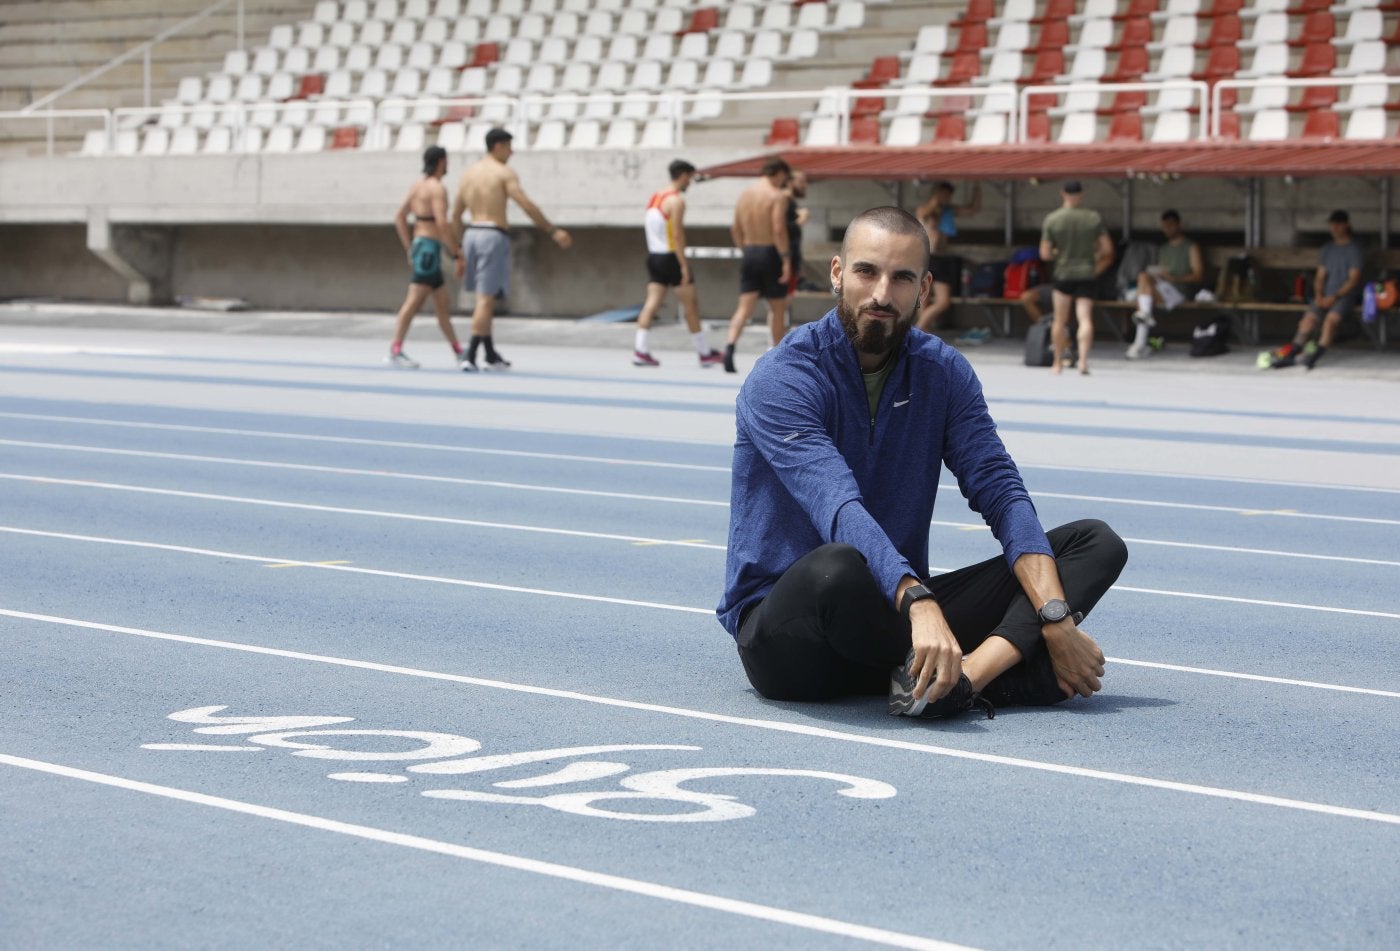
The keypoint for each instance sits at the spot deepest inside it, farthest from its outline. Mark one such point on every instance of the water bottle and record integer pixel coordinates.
(1368, 303)
(1300, 287)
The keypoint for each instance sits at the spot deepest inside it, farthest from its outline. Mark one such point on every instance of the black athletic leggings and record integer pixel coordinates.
(826, 629)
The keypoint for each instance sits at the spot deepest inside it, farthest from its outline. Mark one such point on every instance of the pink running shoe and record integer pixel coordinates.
(711, 359)
(640, 359)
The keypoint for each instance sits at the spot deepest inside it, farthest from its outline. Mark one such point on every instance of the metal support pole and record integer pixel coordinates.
(1009, 224)
(146, 76)
(1127, 209)
(240, 24)
(1385, 213)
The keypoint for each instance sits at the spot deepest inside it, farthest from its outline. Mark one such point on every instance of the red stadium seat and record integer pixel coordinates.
(1137, 8)
(1223, 63)
(883, 69)
(455, 113)
(1220, 8)
(313, 85)
(1319, 59)
(965, 68)
(1223, 30)
(1306, 7)
(702, 20)
(1037, 127)
(1132, 63)
(978, 11)
(1054, 35)
(1055, 10)
(1041, 102)
(1126, 127)
(1315, 97)
(1318, 27)
(1136, 32)
(1130, 101)
(1048, 64)
(345, 137)
(865, 131)
(1322, 124)
(951, 128)
(865, 106)
(1229, 125)
(949, 106)
(971, 39)
(484, 55)
(783, 132)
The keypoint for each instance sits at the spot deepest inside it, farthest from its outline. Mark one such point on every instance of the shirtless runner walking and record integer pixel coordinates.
(482, 193)
(424, 244)
(760, 232)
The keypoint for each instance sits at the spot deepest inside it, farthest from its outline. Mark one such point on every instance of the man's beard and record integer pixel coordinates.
(878, 336)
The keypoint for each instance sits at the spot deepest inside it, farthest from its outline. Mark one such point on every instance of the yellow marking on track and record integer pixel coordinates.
(305, 564)
(678, 541)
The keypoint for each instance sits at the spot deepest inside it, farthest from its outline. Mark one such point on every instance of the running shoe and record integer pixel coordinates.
(713, 358)
(1143, 317)
(974, 337)
(1285, 356)
(465, 363)
(1137, 351)
(401, 360)
(728, 360)
(1311, 354)
(497, 362)
(958, 700)
(640, 359)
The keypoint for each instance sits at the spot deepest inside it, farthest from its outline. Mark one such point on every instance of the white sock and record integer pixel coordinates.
(1145, 304)
(700, 346)
(641, 345)
(1140, 337)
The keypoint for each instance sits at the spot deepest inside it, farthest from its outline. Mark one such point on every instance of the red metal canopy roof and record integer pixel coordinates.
(1118, 160)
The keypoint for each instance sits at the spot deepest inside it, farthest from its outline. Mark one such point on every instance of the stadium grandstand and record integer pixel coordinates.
(256, 149)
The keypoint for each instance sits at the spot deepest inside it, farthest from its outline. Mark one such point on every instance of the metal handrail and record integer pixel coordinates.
(1201, 89)
(49, 115)
(1217, 92)
(144, 49)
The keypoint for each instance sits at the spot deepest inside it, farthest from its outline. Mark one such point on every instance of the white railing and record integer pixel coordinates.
(1276, 82)
(144, 51)
(49, 116)
(1199, 93)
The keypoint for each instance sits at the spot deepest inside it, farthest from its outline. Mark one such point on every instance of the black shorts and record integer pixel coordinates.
(664, 269)
(946, 269)
(1088, 288)
(761, 272)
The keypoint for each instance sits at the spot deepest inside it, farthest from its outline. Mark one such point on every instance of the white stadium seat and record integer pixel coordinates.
(550, 134)
(421, 56)
(452, 136)
(389, 57)
(280, 86)
(622, 134)
(453, 55)
(758, 74)
(599, 106)
(155, 142)
(266, 61)
(249, 140)
(127, 142)
(407, 83)
(386, 10)
(578, 77)
(1179, 31)
(694, 46)
(1269, 125)
(466, 30)
(1366, 57)
(553, 49)
(280, 139)
(311, 139)
(435, 32)
(1365, 124)
(250, 87)
(1078, 128)
(355, 11)
(236, 62)
(988, 128)
(374, 84)
(358, 58)
(811, 16)
(1268, 60)
(658, 134)
(1263, 97)
(646, 76)
(822, 130)
(94, 142)
(585, 134)
(190, 90)
(342, 35)
(447, 9)
(281, 37)
(931, 39)
(588, 49)
(1269, 28)
(850, 15)
(411, 138)
(338, 84)
(659, 47)
(296, 60)
(373, 33)
(219, 141)
(905, 130)
(404, 33)
(683, 74)
(1361, 25)
(1173, 126)
(327, 11)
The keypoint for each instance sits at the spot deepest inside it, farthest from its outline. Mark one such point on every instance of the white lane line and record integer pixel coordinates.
(517, 863)
(606, 536)
(1199, 546)
(341, 470)
(323, 566)
(631, 496)
(1260, 677)
(801, 729)
(342, 510)
(1232, 509)
(603, 460)
(358, 441)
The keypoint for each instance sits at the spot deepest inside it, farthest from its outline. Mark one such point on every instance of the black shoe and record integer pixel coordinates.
(1310, 357)
(958, 700)
(729, 359)
(1029, 683)
(494, 361)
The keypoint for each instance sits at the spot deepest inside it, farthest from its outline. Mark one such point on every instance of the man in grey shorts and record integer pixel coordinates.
(1336, 287)
(484, 191)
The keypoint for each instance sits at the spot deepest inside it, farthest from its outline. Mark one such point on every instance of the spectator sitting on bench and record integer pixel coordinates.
(939, 216)
(1336, 290)
(1175, 278)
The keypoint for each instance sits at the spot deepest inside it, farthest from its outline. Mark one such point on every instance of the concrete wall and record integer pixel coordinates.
(315, 231)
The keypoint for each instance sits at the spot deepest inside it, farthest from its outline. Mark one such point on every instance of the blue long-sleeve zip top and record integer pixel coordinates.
(810, 467)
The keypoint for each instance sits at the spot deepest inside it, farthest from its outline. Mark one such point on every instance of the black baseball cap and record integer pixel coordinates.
(1072, 187)
(1339, 217)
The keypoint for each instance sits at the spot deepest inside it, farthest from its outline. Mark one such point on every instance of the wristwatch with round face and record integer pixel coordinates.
(915, 592)
(1054, 611)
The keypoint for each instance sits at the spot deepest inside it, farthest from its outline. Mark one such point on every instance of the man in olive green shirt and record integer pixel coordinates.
(1176, 277)
(1075, 239)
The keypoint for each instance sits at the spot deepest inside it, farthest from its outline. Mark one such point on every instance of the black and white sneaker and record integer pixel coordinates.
(958, 700)
(497, 362)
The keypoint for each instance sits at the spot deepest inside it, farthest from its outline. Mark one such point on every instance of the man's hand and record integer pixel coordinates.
(1077, 660)
(937, 657)
(562, 238)
(786, 276)
(461, 265)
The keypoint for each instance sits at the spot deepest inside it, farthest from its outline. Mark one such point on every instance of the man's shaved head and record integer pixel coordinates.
(891, 219)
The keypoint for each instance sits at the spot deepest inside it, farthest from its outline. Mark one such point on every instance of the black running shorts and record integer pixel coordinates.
(761, 272)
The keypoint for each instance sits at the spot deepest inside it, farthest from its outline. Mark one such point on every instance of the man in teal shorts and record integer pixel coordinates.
(424, 242)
